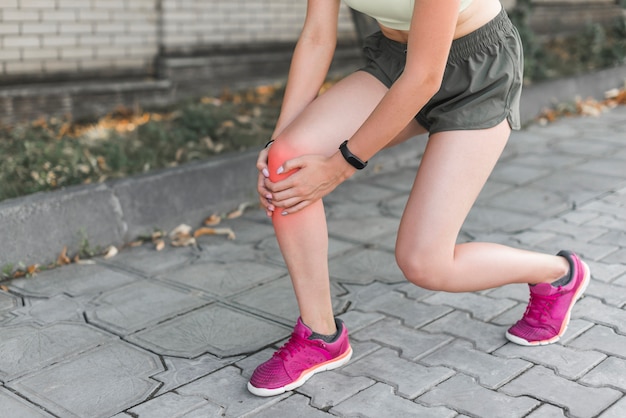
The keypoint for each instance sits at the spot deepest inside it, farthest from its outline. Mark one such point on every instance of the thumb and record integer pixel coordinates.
(290, 165)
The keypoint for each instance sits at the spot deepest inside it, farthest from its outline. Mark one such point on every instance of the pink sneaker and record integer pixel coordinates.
(299, 359)
(548, 312)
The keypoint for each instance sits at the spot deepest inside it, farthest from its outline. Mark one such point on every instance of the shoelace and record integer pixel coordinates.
(540, 306)
(292, 347)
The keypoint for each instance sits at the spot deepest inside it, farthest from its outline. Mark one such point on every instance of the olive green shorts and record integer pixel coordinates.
(482, 82)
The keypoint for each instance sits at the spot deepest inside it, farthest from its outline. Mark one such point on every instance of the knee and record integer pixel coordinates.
(423, 269)
(281, 150)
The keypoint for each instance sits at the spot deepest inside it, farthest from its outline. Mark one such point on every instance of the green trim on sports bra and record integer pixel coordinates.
(394, 14)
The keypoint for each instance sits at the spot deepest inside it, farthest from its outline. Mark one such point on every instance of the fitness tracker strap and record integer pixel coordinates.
(352, 159)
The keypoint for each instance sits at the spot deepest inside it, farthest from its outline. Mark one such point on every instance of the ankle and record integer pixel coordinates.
(322, 326)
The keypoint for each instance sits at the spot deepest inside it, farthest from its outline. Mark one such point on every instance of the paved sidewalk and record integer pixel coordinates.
(177, 333)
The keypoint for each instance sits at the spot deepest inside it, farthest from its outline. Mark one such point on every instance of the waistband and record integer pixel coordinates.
(488, 34)
(465, 46)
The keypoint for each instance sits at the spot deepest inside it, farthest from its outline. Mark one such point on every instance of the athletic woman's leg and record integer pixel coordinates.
(303, 238)
(454, 168)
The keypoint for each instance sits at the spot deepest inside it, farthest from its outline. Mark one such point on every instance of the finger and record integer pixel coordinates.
(261, 162)
(289, 165)
(297, 208)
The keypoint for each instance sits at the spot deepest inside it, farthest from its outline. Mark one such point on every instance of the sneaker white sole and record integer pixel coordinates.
(306, 375)
(579, 294)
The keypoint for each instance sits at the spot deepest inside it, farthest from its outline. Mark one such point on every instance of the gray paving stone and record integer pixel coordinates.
(567, 362)
(73, 280)
(603, 339)
(379, 400)
(331, 388)
(611, 372)
(532, 201)
(517, 174)
(347, 210)
(401, 180)
(491, 371)
(356, 320)
(365, 266)
(229, 252)
(486, 337)
(562, 227)
(606, 221)
(147, 261)
(483, 219)
(543, 384)
(227, 388)
(547, 411)
(605, 166)
(15, 407)
(463, 394)
(363, 229)
(606, 272)
(610, 294)
(616, 257)
(586, 250)
(293, 406)
(545, 159)
(594, 310)
(47, 311)
(586, 147)
(413, 313)
(479, 306)
(409, 378)
(7, 302)
(360, 192)
(223, 279)
(411, 343)
(173, 405)
(618, 410)
(181, 371)
(359, 295)
(97, 383)
(414, 292)
(26, 348)
(277, 299)
(139, 305)
(208, 330)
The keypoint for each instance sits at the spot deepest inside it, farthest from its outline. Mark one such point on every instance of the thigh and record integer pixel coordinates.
(336, 115)
(453, 170)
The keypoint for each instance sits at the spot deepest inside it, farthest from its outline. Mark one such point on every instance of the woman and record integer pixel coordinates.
(449, 68)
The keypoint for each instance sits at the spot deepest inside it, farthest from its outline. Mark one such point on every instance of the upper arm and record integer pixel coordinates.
(320, 24)
(432, 29)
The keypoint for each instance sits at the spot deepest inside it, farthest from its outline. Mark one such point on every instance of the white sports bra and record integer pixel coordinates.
(394, 14)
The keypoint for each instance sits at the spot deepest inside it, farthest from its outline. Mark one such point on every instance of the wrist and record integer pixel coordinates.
(344, 169)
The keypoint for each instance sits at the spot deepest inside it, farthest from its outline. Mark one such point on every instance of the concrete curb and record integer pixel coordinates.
(35, 228)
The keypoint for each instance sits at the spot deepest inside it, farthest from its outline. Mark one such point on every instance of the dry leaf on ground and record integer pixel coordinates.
(63, 258)
(213, 220)
(239, 211)
(110, 252)
(215, 231)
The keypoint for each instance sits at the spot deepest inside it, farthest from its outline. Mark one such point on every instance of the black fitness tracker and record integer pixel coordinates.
(352, 159)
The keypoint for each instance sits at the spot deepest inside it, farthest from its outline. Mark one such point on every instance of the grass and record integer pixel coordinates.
(48, 154)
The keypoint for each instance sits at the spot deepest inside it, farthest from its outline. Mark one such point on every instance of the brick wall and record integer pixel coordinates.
(41, 38)
(189, 24)
(44, 38)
